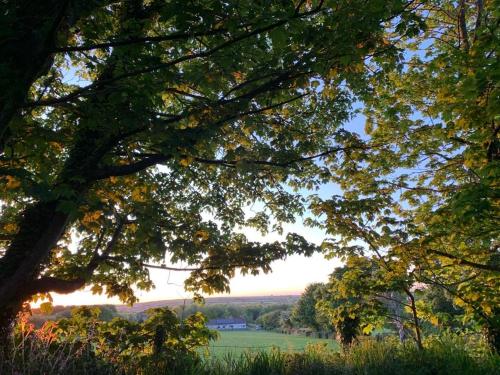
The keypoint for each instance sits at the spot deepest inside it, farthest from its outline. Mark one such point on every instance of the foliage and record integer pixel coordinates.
(107, 313)
(349, 300)
(421, 198)
(448, 354)
(134, 135)
(84, 343)
(146, 127)
(305, 313)
(274, 319)
(44, 351)
(436, 307)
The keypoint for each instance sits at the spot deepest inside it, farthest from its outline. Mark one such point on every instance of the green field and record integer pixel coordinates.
(237, 342)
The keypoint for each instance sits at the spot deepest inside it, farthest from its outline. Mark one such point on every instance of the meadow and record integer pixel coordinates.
(238, 342)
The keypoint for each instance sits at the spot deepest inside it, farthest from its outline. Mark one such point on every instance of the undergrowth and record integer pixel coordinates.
(448, 354)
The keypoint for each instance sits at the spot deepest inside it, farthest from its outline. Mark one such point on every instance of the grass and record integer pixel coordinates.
(447, 355)
(238, 342)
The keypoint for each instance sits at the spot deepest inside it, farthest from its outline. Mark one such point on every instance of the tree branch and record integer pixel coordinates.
(277, 164)
(64, 286)
(54, 284)
(462, 25)
(202, 268)
(486, 267)
(124, 170)
(79, 92)
(145, 40)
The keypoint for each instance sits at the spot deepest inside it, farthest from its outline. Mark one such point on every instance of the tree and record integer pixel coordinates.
(342, 307)
(142, 129)
(355, 299)
(424, 190)
(453, 203)
(305, 313)
(275, 319)
(377, 263)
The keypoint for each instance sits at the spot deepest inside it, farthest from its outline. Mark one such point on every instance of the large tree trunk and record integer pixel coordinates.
(347, 331)
(29, 30)
(40, 229)
(492, 333)
(8, 313)
(43, 223)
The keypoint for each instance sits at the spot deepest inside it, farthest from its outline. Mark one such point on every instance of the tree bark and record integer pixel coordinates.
(40, 228)
(42, 225)
(416, 320)
(492, 335)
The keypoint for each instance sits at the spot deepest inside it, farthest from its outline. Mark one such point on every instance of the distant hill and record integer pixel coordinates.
(142, 306)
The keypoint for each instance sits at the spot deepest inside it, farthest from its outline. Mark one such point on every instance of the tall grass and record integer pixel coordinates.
(448, 354)
(442, 355)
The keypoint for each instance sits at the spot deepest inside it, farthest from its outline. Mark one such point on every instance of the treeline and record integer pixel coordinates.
(331, 308)
(253, 313)
(267, 316)
(38, 317)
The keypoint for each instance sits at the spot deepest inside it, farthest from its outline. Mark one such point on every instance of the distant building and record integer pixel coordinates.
(227, 324)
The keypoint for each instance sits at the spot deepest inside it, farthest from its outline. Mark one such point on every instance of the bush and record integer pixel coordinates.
(84, 344)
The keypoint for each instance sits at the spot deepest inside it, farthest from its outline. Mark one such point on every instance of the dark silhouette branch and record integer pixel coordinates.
(144, 40)
(151, 160)
(461, 261)
(54, 284)
(79, 92)
(124, 170)
(275, 163)
(201, 268)
(64, 286)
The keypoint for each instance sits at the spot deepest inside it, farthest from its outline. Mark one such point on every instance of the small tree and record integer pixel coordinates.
(365, 293)
(346, 305)
(304, 313)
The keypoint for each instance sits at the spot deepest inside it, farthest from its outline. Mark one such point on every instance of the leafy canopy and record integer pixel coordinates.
(158, 122)
(422, 198)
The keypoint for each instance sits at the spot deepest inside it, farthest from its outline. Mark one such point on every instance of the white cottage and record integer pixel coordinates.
(227, 324)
